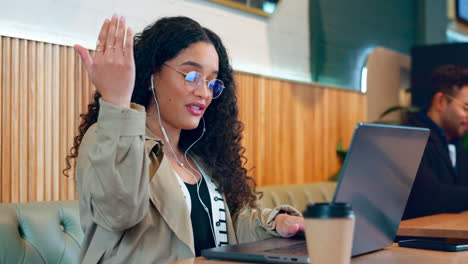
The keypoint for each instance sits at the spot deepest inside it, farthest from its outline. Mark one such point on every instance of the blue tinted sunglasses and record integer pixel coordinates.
(195, 80)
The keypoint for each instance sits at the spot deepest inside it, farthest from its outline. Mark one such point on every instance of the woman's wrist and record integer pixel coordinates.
(117, 101)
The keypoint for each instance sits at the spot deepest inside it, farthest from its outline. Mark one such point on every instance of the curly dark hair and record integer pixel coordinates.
(220, 148)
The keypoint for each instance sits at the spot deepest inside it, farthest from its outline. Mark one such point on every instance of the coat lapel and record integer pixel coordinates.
(166, 194)
(232, 236)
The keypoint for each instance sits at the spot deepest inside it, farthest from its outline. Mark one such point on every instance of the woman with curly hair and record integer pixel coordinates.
(159, 164)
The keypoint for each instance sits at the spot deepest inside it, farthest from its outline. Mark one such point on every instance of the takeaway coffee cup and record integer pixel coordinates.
(329, 229)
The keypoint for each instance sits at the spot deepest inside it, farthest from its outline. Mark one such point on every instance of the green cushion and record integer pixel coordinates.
(296, 195)
(42, 232)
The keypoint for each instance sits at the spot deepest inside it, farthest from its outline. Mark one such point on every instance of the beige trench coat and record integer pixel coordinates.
(132, 208)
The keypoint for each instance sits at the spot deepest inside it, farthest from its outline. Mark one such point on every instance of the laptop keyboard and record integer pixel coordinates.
(300, 248)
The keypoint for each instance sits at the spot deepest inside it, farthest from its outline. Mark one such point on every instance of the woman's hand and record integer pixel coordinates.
(111, 68)
(288, 225)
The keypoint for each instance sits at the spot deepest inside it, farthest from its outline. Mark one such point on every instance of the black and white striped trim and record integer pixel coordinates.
(218, 210)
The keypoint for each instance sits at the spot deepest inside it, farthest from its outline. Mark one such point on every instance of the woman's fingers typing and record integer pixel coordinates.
(287, 225)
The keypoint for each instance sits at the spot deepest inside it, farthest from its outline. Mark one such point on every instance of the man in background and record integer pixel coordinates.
(441, 184)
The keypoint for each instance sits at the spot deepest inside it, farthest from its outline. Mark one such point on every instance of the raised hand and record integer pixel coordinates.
(112, 68)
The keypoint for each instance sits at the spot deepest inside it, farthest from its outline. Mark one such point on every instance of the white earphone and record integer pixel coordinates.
(185, 157)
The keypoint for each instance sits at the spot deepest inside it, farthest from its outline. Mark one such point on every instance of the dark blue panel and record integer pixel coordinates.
(343, 32)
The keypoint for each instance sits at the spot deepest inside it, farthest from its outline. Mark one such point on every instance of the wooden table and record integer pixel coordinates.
(390, 255)
(453, 226)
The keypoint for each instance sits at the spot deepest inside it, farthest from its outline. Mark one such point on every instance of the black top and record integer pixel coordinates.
(438, 187)
(201, 227)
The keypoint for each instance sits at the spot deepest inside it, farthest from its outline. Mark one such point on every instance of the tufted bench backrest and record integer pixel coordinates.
(296, 195)
(42, 232)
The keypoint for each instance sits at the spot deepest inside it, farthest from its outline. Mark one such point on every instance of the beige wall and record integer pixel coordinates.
(388, 75)
(276, 46)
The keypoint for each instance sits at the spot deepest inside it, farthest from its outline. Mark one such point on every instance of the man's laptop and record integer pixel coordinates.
(376, 180)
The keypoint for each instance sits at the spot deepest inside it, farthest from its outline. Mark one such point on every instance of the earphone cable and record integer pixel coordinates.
(185, 157)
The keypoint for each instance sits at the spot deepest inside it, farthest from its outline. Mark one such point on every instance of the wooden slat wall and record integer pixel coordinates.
(41, 92)
(291, 129)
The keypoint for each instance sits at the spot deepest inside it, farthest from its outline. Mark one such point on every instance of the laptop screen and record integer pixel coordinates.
(376, 179)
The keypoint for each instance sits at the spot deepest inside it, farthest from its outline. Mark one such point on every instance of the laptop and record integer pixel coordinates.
(376, 179)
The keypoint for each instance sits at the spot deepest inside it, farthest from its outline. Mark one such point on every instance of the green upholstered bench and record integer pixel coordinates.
(296, 195)
(50, 232)
(42, 232)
